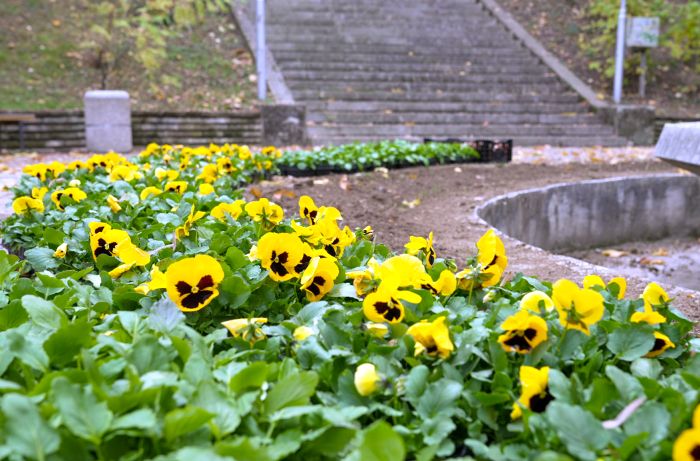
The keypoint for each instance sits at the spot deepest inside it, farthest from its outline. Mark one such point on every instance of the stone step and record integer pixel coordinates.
(413, 68)
(475, 118)
(341, 77)
(458, 130)
(447, 107)
(434, 51)
(474, 97)
(339, 90)
(405, 57)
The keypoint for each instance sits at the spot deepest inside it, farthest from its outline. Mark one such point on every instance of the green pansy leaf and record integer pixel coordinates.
(295, 389)
(42, 312)
(653, 419)
(416, 383)
(581, 433)
(26, 433)
(379, 442)
(439, 399)
(627, 385)
(41, 258)
(182, 421)
(143, 418)
(630, 342)
(84, 416)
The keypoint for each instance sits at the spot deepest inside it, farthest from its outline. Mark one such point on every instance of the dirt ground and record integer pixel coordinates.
(443, 199)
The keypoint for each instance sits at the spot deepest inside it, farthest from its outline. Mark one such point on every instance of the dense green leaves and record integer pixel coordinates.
(104, 366)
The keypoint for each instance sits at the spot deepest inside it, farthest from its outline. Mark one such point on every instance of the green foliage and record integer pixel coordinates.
(680, 32)
(141, 29)
(367, 156)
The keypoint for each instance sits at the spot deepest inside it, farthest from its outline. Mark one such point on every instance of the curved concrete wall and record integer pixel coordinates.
(599, 213)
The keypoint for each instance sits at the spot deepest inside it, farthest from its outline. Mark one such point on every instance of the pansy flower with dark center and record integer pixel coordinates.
(445, 285)
(578, 308)
(209, 174)
(280, 254)
(176, 186)
(417, 245)
(225, 165)
(104, 240)
(433, 338)
(491, 258)
(661, 344)
(37, 170)
(687, 445)
(308, 209)
(535, 394)
(317, 279)
(192, 283)
(384, 305)
(73, 193)
(524, 332)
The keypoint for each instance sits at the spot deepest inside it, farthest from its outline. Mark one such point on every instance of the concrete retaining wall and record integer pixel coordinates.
(65, 129)
(592, 214)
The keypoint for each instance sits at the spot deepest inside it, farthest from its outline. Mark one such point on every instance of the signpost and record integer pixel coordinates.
(638, 34)
(642, 34)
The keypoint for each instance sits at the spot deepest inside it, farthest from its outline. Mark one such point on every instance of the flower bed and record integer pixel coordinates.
(158, 315)
(352, 158)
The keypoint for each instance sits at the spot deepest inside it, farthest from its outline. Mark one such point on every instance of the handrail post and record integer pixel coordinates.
(620, 53)
(260, 49)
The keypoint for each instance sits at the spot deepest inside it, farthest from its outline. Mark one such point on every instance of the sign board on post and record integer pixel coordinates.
(643, 32)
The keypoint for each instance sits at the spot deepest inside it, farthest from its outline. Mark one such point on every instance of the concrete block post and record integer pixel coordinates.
(108, 121)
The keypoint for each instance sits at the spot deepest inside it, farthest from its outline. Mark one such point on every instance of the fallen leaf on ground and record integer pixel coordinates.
(610, 253)
(412, 204)
(279, 193)
(343, 183)
(458, 169)
(651, 262)
(320, 182)
(256, 191)
(660, 252)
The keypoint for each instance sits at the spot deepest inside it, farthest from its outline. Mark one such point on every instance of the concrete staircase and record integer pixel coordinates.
(385, 69)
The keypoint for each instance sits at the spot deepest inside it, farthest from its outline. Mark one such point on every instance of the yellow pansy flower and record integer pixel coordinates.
(654, 295)
(280, 254)
(534, 394)
(176, 186)
(384, 305)
(247, 329)
(524, 332)
(158, 282)
(536, 302)
(232, 209)
(578, 308)
(61, 251)
(591, 281)
(148, 191)
(317, 279)
(73, 193)
(192, 283)
(206, 189)
(302, 332)
(265, 211)
(431, 337)
(114, 204)
(420, 244)
(366, 379)
(22, 205)
(661, 344)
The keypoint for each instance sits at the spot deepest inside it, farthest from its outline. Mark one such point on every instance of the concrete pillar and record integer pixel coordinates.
(108, 121)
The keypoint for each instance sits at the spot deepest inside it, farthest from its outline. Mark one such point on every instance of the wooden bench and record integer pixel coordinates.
(20, 119)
